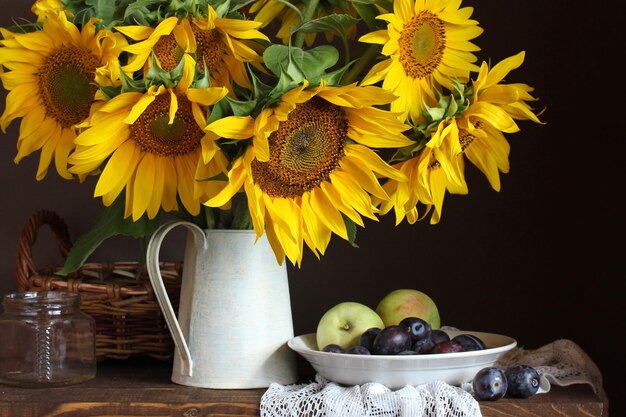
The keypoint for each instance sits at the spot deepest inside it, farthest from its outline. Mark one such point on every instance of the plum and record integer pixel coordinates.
(333, 348)
(469, 342)
(523, 380)
(490, 384)
(419, 329)
(391, 340)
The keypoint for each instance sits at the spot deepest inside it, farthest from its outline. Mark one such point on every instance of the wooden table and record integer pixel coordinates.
(142, 387)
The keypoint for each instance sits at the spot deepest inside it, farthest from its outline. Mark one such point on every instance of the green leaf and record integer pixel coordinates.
(110, 92)
(315, 61)
(368, 13)
(104, 9)
(130, 85)
(335, 23)
(239, 107)
(138, 7)
(219, 110)
(284, 59)
(238, 4)
(201, 78)
(351, 228)
(223, 8)
(109, 222)
(284, 84)
(334, 77)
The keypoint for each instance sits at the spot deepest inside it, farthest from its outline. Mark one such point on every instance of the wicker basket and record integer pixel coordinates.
(118, 295)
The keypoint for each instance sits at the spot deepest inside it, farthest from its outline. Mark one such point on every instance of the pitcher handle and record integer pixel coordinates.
(154, 272)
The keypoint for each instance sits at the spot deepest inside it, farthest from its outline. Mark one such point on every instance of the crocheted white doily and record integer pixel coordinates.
(561, 362)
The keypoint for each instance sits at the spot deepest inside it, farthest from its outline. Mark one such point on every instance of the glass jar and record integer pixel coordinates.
(46, 340)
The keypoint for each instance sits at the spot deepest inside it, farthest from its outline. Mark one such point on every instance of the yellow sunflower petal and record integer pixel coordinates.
(352, 192)
(185, 169)
(496, 116)
(118, 169)
(137, 32)
(139, 107)
(170, 202)
(143, 185)
(327, 213)
(206, 96)
(236, 178)
(255, 207)
(317, 231)
(335, 197)
(363, 176)
(378, 36)
(233, 127)
(154, 205)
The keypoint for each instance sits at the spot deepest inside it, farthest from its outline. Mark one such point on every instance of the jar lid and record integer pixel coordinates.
(42, 300)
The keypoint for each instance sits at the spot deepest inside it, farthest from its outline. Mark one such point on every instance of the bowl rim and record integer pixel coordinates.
(300, 345)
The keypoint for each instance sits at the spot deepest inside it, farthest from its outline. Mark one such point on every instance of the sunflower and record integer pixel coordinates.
(477, 133)
(50, 74)
(152, 145)
(222, 44)
(310, 164)
(427, 43)
(427, 184)
(43, 7)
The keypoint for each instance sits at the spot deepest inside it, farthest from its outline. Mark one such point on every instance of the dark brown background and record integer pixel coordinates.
(539, 261)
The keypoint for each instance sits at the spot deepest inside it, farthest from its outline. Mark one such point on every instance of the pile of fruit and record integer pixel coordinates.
(412, 336)
(407, 322)
(515, 381)
(345, 323)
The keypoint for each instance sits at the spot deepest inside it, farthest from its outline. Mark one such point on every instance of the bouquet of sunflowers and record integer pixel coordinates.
(300, 120)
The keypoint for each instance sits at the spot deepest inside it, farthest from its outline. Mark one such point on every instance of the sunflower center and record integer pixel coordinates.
(66, 84)
(168, 52)
(304, 150)
(153, 132)
(465, 139)
(210, 49)
(434, 163)
(422, 43)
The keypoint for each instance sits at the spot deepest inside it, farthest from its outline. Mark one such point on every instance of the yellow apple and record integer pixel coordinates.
(344, 323)
(402, 303)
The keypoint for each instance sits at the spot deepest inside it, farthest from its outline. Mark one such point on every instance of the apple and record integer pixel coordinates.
(402, 303)
(344, 323)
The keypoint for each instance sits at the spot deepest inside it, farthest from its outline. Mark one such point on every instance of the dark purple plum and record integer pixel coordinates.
(523, 380)
(367, 338)
(419, 329)
(438, 336)
(490, 384)
(392, 340)
(333, 348)
(469, 342)
(423, 346)
(447, 347)
(407, 352)
(358, 350)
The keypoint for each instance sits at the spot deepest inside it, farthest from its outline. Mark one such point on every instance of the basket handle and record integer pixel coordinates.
(24, 262)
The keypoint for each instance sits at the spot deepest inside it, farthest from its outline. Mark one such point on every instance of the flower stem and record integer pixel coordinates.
(209, 217)
(307, 16)
(363, 62)
(241, 214)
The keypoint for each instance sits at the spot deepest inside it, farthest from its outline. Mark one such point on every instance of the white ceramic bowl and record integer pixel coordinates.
(398, 371)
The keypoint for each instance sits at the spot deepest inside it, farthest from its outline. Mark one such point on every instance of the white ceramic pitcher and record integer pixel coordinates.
(234, 317)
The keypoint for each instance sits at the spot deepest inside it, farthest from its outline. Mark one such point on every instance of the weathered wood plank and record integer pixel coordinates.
(143, 388)
(125, 409)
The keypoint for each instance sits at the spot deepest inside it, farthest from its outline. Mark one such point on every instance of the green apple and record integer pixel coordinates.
(344, 324)
(402, 303)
